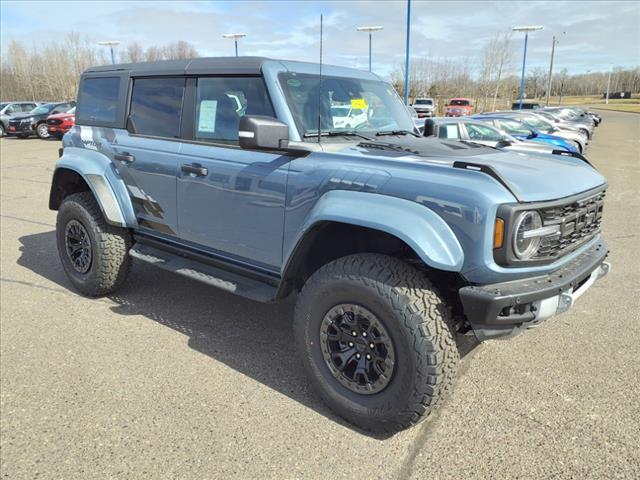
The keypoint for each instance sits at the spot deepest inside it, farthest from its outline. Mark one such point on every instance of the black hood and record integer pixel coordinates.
(431, 147)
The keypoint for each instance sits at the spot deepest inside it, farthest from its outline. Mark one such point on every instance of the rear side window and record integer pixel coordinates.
(156, 106)
(98, 100)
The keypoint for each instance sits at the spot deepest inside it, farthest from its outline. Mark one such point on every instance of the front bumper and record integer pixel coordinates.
(58, 128)
(505, 309)
(20, 128)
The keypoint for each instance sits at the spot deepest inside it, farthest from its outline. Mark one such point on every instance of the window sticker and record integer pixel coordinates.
(452, 131)
(207, 117)
(358, 103)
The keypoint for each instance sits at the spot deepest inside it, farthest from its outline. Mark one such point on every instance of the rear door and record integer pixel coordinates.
(146, 154)
(230, 200)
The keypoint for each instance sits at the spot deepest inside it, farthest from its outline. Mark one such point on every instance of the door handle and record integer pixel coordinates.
(125, 157)
(196, 169)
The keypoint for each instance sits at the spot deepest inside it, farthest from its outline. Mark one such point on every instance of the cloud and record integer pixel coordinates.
(598, 33)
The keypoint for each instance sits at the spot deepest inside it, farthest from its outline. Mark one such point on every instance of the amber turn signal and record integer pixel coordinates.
(498, 233)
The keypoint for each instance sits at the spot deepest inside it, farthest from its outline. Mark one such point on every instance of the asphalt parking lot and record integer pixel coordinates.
(174, 379)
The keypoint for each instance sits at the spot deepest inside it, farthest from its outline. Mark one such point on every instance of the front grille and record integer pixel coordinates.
(579, 222)
(54, 121)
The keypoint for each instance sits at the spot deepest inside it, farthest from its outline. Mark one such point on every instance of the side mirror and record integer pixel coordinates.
(258, 132)
(503, 143)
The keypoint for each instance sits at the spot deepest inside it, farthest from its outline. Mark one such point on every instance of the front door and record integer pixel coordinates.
(231, 201)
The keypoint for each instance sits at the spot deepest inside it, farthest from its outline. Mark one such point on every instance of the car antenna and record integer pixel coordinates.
(320, 86)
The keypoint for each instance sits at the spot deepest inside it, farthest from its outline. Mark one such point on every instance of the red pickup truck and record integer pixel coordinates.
(459, 107)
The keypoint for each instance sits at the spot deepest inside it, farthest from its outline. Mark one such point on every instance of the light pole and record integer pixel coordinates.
(235, 37)
(406, 60)
(606, 101)
(110, 44)
(370, 29)
(554, 42)
(526, 31)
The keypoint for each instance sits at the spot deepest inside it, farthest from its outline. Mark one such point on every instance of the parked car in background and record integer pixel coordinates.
(60, 123)
(583, 123)
(582, 112)
(525, 106)
(470, 130)
(534, 121)
(519, 129)
(424, 107)
(459, 107)
(346, 116)
(11, 109)
(35, 121)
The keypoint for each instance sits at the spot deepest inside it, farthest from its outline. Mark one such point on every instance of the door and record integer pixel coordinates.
(147, 154)
(230, 201)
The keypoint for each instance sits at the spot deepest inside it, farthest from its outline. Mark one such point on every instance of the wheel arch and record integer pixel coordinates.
(91, 171)
(372, 223)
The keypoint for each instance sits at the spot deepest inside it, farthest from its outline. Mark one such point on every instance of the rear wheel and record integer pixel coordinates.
(94, 254)
(376, 340)
(42, 131)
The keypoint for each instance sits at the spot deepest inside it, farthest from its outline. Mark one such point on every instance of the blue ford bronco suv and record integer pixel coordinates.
(231, 171)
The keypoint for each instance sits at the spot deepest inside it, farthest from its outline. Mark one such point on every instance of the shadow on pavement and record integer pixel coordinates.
(253, 338)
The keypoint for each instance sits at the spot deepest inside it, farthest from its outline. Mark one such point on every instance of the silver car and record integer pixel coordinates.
(9, 109)
(465, 129)
(567, 116)
(540, 123)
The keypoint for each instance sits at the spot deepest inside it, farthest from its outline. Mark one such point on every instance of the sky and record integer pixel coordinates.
(593, 35)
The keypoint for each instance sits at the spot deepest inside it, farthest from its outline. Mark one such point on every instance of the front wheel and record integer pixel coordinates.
(376, 340)
(94, 254)
(2, 132)
(42, 131)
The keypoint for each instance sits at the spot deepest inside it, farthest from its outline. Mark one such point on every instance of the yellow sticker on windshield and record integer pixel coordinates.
(358, 103)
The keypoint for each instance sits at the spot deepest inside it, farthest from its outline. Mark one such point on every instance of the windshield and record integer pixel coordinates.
(2, 105)
(538, 124)
(459, 103)
(514, 127)
(346, 104)
(42, 109)
(423, 101)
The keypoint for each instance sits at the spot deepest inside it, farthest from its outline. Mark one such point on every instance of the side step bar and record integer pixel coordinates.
(216, 277)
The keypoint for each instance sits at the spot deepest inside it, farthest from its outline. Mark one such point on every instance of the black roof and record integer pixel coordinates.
(210, 65)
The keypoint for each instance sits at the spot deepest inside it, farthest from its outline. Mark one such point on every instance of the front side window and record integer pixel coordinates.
(27, 107)
(345, 104)
(156, 106)
(98, 100)
(221, 101)
(482, 132)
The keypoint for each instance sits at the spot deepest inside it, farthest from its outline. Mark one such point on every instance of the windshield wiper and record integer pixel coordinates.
(337, 133)
(397, 132)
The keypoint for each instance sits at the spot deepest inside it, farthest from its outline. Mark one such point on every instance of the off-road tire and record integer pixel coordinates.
(417, 320)
(110, 262)
(42, 132)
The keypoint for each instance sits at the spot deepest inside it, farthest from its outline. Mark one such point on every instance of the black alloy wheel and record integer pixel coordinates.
(78, 246)
(357, 348)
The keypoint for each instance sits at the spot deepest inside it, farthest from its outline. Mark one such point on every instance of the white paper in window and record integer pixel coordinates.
(207, 117)
(452, 131)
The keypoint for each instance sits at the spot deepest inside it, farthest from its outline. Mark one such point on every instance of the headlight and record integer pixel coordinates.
(526, 236)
